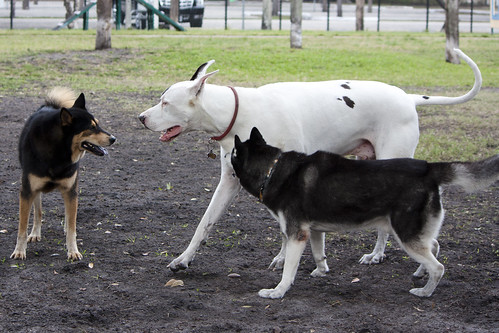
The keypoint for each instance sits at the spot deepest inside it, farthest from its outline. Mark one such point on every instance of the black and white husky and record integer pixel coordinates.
(311, 194)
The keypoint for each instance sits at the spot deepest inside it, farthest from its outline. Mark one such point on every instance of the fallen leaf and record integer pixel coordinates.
(91, 265)
(234, 275)
(355, 280)
(4, 231)
(174, 283)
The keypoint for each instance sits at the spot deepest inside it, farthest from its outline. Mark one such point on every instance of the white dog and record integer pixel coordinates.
(364, 118)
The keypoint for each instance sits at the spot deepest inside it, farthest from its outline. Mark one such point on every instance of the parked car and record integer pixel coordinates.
(191, 11)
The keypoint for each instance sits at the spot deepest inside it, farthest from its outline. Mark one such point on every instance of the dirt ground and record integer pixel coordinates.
(139, 208)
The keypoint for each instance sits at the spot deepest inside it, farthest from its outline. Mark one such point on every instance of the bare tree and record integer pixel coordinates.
(174, 10)
(276, 4)
(25, 4)
(296, 17)
(267, 15)
(359, 15)
(104, 24)
(452, 31)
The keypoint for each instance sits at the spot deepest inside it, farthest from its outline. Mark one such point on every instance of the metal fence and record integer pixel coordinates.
(247, 15)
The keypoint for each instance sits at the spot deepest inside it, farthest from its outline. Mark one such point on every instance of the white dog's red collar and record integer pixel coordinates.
(236, 109)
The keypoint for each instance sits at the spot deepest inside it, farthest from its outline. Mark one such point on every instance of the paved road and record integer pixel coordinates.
(47, 14)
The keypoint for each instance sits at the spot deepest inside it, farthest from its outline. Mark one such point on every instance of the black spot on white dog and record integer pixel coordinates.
(346, 86)
(426, 97)
(349, 102)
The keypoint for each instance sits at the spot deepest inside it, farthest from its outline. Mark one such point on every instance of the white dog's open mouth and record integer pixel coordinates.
(170, 133)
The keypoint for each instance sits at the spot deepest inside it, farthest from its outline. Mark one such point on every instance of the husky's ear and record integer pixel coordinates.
(256, 137)
(80, 102)
(66, 117)
(237, 142)
(199, 83)
(201, 71)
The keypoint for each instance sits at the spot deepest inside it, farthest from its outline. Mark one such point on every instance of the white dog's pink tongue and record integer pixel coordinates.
(170, 134)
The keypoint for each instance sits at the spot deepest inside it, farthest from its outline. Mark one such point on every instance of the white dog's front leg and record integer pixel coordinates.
(294, 250)
(378, 253)
(317, 241)
(226, 190)
(278, 261)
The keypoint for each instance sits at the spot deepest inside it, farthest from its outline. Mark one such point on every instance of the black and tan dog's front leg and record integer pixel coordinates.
(71, 208)
(25, 203)
(36, 231)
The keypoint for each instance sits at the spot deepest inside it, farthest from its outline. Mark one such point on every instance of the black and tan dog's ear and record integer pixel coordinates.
(256, 137)
(80, 102)
(66, 117)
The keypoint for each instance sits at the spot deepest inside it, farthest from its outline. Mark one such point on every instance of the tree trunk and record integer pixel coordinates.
(275, 7)
(452, 31)
(25, 4)
(267, 15)
(296, 16)
(128, 14)
(359, 15)
(104, 23)
(174, 9)
(339, 8)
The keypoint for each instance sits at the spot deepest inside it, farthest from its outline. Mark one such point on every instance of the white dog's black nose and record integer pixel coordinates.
(142, 119)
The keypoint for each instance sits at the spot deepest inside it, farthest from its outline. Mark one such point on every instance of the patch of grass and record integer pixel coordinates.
(151, 60)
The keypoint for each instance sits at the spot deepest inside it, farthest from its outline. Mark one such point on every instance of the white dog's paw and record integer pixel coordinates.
(372, 258)
(421, 292)
(178, 264)
(319, 272)
(277, 263)
(271, 293)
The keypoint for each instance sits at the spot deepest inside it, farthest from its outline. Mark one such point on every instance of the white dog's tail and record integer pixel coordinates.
(442, 100)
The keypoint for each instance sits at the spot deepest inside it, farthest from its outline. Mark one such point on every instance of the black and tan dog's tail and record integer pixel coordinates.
(471, 176)
(60, 97)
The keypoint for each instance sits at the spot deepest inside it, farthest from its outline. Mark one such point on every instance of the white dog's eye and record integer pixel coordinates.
(164, 103)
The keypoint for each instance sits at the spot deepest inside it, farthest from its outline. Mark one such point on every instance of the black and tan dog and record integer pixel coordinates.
(311, 194)
(53, 141)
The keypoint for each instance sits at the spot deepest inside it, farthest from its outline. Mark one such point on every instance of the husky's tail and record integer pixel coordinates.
(442, 100)
(471, 176)
(60, 97)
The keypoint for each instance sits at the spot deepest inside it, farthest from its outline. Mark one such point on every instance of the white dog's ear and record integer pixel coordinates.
(201, 71)
(199, 83)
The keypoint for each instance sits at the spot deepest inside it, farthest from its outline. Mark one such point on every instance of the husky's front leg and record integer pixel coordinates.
(226, 191)
(294, 249)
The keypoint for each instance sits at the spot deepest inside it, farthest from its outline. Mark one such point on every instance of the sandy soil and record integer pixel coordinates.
(139, 208)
